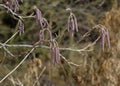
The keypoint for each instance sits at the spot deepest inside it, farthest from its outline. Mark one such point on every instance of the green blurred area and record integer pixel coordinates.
(55, 12)
(93, 70)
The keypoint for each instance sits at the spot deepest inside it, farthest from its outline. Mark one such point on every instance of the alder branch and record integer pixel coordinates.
(15, 14)
(70, 63)
(46, 47)
(8, 51)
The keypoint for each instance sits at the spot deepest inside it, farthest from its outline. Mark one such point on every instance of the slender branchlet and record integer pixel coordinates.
(72, 25)
(20, 27)
(55, 52)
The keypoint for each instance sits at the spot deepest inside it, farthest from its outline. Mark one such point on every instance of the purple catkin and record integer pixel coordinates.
(20, 27)
(108, 38)
(68, 25)
(50, 34)
(13, 5)
(72, 25)
(58, 52)
(38, 15)
(76, 25)
(42, 21)
(52, 55)
(16, 8)
(41, 35)
(55, 57)
(104, 37)
(73, 18)
(103, 40)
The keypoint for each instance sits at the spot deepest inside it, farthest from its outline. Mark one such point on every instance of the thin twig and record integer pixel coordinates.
(9, 39)
(8, 51)
(78, 50)
(85, 35)
(17, 66)
(46, 47)
(89, 45)
(39, 76)
(15, 14)
(2, 45)
(71, 63)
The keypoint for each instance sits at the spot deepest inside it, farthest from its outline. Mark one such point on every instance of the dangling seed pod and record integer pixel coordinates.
(105, 38)
(20, 27)
(55, 52)
(104, 34)
(12, 4)
(40, 20)
(15, 5)
(46, 28)
(72, 25)
(41, 36)
(38, 16)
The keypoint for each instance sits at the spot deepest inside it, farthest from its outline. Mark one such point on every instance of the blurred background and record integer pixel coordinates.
(97, 68)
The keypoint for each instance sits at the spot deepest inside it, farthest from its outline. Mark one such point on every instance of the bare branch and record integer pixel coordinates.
(15, 14)
(9, 38)
(8, 51)
(71, 63)
(47, 47)
(12, 12)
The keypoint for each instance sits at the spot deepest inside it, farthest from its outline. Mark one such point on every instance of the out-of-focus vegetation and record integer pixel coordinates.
(97, 68)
